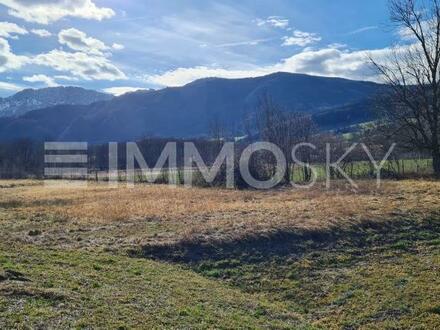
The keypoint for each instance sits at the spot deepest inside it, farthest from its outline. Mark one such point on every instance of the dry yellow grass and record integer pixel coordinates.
(98, 215)
(71, 244)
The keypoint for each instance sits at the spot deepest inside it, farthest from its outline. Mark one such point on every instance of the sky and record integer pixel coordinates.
(118, 46)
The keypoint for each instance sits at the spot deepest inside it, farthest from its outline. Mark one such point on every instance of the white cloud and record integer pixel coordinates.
(428, 27)
(67, 78)
(183, 76)
(117, 91)
(81, 65)
(337, 45)
(274, 21)
(88, 63)
(78, 40)
(8, 30)
(116, 46)
(41, 33)
(8, 60)
(47, 11)
(41, 78)
(329, 62)
(301, 39)
(10, 87)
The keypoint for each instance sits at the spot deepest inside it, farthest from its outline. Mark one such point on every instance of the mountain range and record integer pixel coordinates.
(188, 111)
(33, 99)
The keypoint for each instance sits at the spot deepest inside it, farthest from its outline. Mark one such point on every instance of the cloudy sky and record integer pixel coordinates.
(118, 45)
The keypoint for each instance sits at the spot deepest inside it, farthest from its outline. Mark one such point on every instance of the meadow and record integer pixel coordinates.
(155, 256)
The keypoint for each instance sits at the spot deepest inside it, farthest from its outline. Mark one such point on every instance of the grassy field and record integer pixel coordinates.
(363, 169)
(160, 257)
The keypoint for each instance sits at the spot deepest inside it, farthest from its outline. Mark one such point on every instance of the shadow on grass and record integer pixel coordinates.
(20, 293)
(395, 235)
(322, 274)
(15, 204)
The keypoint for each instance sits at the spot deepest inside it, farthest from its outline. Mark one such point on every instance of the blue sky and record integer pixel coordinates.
(121, 45)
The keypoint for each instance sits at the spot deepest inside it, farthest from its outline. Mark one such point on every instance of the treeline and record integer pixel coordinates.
(26, 158)
(21, 159)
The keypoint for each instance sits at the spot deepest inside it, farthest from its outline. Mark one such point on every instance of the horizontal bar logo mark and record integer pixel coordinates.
(65, 159)
(65, 145)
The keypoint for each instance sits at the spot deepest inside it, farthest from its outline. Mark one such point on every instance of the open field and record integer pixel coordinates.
(155, 256)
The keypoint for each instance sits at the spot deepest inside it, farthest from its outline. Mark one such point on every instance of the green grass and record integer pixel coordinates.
(371, 275)
(363, 169)
(78, 289)
(378, 279)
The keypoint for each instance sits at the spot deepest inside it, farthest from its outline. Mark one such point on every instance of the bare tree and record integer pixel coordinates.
(216, 129)
(284, 129)
(217, 134)
(412, 72)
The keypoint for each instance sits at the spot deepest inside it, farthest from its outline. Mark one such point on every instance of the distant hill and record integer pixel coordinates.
(188, 111)
(32, 99)
(345, 116)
